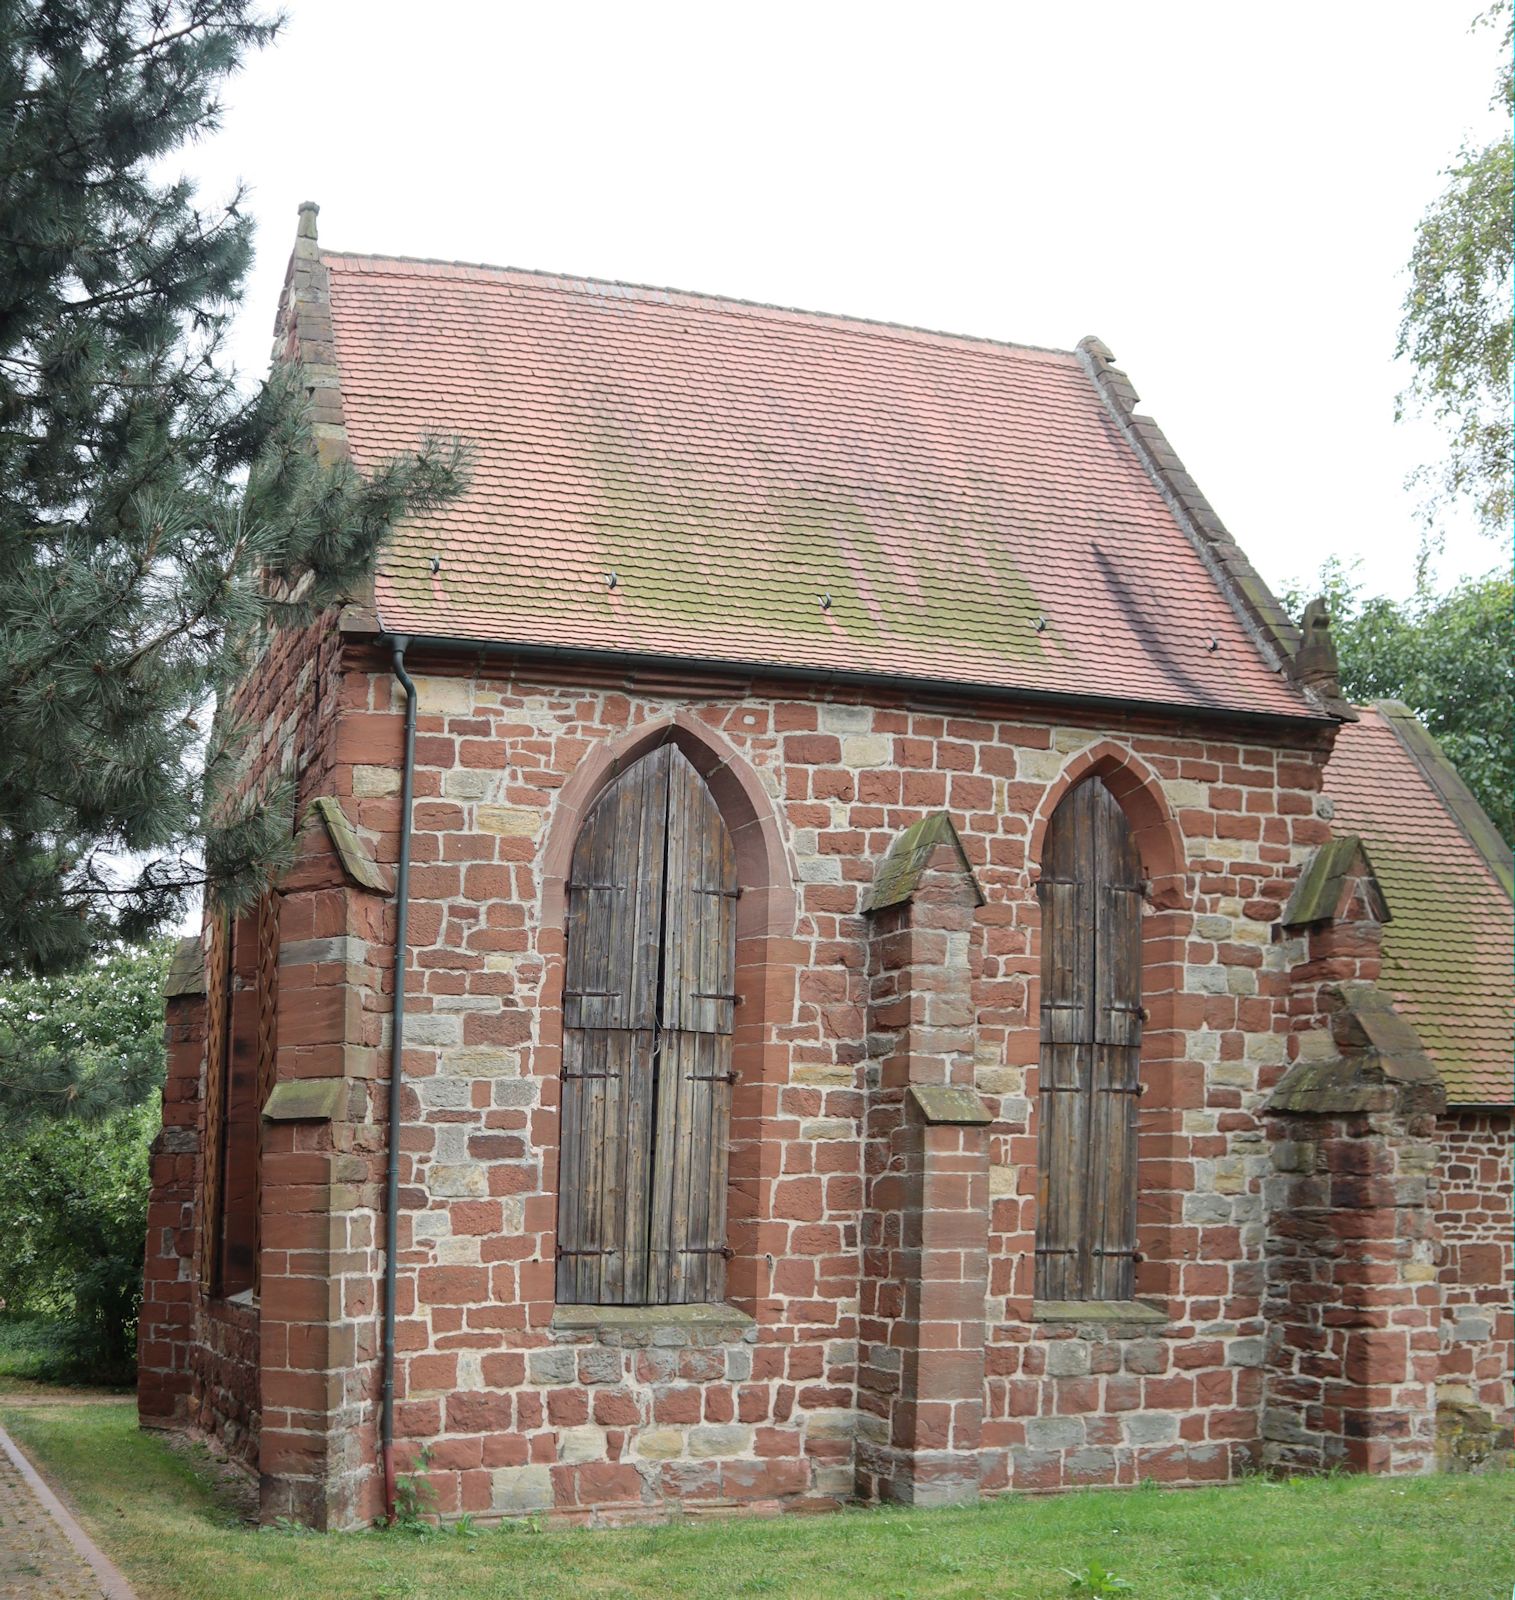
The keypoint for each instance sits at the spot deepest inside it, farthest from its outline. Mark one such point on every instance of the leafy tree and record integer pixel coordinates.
(1456, 327)
(92, 1040)
(155, 520)
(1450, 657)
(73, 1191)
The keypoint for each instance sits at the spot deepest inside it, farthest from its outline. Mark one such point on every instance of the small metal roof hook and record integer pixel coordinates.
(436, 565)
(825, 602)
(1213, 645)
(1041, 624)
(610, 580)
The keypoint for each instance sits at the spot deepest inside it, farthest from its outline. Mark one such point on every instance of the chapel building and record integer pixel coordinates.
(842, 946)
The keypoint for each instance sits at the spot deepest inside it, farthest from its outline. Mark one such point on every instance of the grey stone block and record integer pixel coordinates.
(599, 1365)
(552, 1366)
(1054, 1433)
(1068, 1358)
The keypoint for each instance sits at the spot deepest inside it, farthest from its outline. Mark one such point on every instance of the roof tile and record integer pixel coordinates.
(1448, 950)
(732, 463)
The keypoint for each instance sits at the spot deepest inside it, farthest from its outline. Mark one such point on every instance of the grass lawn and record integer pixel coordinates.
(159, 1513)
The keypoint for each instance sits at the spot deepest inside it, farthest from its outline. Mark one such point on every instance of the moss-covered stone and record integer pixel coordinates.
(900, 873)
(1318, 893)
(357, 862)
(943, 1103)
(186, 972)
(305, 1100)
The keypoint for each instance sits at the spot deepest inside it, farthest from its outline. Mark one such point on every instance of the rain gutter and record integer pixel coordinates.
(396, 1062)
(844, 678)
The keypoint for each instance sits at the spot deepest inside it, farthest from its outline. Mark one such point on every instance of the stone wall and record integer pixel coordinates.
(526, 1410)
(202, 1359)
(1476, 1215)
(165, 1324)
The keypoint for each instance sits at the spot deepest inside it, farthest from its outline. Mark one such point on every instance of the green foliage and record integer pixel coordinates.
(74, 1199)
(155, 521)
(77, 1121)
(32, 1348)
(82, 1045)
(416, 1499)
(1457, 326)
(1095, 1579)
(1449, 656)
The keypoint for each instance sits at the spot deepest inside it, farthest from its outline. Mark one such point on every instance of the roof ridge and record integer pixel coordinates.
(1473, 822)
(705, 300)
(1262, 617)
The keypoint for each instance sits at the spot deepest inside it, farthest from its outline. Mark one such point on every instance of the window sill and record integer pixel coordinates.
(1101, 1311)
(571, 1319)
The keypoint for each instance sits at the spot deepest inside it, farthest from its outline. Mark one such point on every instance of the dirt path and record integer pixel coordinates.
(44, 1553)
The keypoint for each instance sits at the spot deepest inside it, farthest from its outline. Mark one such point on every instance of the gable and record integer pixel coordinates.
(1447, 950)
(707, 481)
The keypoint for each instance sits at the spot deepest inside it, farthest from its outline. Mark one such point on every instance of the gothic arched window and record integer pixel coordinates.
(648, 1000)
(1091, 1019)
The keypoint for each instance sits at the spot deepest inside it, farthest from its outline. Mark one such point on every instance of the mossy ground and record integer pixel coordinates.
(166, 1517)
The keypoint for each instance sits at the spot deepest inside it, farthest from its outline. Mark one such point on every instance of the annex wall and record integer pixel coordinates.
(1476, 1218)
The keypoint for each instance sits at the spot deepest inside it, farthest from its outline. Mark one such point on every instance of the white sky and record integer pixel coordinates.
(1225, 193)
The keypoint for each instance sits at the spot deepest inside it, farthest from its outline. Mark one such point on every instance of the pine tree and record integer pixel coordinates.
(154, 517)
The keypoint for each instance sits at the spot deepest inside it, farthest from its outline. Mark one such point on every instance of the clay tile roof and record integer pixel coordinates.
(1446, 876)
(733, 464)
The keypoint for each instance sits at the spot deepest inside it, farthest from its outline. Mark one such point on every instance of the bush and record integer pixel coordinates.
(73, 1201)
(74, 1176)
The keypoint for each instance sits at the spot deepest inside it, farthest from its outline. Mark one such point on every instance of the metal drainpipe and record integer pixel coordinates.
(396, 1058)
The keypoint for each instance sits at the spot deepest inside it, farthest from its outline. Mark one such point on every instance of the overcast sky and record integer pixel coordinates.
(1225, 193)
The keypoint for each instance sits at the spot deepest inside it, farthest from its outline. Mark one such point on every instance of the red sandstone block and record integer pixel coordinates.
(431, 1372)
(720, 1403)
(568, 1407)
(768, 1479)
(676, 1404)
(613, 1408)
(453, 1285)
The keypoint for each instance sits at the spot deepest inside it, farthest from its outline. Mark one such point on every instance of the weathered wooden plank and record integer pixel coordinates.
(212, 1121)
(1113, 1159)
(615, 903)
(1091, 1028)
(648, 1009)
(700, 916)
(570, 1174)
(267, 1061)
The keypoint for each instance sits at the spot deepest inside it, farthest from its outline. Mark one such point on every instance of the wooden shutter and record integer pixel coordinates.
(647, 1010)
(268, 1044)
(212, 1119)
(610, 996)
(1091, 893)
(694, 1076)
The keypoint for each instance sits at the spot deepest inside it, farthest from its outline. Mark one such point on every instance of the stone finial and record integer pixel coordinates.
(1315, 662)
(899, 874)
(307, 246)
(186, 972)
(1325, 883)
(1379, 1062)
(1110, 376)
